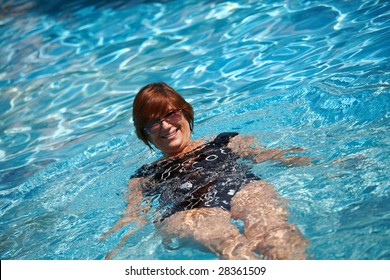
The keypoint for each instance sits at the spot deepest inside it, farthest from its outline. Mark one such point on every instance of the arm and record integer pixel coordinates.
(134, 211)
(247, 147)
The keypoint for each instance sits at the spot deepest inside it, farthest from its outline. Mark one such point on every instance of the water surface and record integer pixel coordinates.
(313, 74)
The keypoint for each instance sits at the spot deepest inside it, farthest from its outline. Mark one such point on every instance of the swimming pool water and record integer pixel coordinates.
(313, 74)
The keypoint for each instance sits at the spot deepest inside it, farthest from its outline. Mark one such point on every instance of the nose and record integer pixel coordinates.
(165, 124)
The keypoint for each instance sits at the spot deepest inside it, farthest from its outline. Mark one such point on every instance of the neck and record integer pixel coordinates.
(188, 148)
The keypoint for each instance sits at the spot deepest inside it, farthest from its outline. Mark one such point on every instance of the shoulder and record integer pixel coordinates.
(242, 145)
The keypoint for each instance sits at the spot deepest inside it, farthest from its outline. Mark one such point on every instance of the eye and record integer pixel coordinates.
(153, 124)
(170, 114)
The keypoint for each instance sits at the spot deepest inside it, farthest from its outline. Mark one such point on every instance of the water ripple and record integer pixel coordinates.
(50, 65)
(291, 69)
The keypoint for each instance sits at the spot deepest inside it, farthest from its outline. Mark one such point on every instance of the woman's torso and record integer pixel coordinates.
(208, 176)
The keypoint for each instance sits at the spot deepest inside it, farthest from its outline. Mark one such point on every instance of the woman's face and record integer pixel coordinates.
(172, 135)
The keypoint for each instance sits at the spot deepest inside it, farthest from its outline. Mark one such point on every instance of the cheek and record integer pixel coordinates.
(186, 128)
(153, 139)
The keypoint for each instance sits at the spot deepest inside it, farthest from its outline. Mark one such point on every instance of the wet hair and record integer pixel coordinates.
(154, 101)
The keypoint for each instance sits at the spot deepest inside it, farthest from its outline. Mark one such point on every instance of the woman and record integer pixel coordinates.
(203, 185)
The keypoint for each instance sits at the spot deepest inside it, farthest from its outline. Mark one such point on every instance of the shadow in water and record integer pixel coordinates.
(11, 8)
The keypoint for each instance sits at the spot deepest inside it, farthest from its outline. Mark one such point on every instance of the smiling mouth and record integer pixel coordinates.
(171, 135)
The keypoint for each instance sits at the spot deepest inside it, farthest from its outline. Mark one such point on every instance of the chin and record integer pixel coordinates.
(173, 148)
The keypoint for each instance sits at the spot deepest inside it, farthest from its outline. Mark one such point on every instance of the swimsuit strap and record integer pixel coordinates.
(224, 138)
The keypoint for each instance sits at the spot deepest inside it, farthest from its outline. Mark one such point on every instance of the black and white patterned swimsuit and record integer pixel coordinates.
(208, 176)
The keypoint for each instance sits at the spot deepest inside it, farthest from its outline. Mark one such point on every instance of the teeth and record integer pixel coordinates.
(169, 135)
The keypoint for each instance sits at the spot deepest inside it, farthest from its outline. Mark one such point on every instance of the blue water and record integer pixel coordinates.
(313, 74)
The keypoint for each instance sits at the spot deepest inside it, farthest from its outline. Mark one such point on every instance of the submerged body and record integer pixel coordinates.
(203, 186)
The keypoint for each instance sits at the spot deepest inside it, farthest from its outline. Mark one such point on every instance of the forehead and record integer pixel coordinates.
(157, 110)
